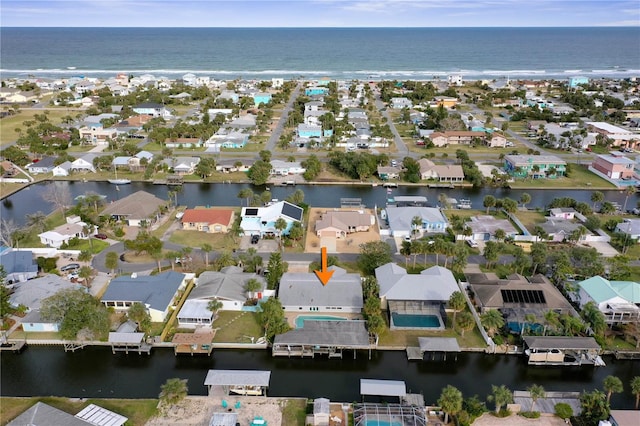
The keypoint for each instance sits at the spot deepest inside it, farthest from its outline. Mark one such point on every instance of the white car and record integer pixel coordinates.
(472, 243)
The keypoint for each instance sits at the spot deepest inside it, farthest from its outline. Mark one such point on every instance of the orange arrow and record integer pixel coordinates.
(324, 274)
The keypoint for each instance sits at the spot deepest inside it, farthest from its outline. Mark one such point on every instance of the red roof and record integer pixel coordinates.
(209, 216)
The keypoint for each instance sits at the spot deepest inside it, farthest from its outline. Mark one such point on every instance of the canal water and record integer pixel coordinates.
(30, 200)
(96, 372)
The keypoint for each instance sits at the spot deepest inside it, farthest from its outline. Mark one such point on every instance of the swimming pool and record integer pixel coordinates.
(301, 318)
(381, 423)
(415, 321)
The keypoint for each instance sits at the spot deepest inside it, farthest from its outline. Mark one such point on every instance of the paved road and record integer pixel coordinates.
(277, 132)
(403, 151)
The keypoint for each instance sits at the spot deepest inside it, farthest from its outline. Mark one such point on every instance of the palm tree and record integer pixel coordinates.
(629, 190)
(84, 256)
(416, 224)
(450, 401)
(206, 248)
(214, 306)
(173, 391)
(492, 320)
(535, 392)
(252, 286)
(86, 273)
(280, 226)
(597, 197)
(525, 199)
(501, 395)
(247, 194)
(465, 321)
(635, 389)
(111, 261)
(457, 303)
(489, 201)
(611, 385)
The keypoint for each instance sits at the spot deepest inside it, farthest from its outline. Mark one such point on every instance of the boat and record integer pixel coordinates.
(117, 181)
(246, 390)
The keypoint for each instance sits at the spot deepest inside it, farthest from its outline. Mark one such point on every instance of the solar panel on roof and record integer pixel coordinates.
(294, 212)
(523, 296)
(251, 212)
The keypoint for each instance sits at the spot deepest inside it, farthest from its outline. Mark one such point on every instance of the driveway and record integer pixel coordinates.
(603, 248)
(263, 246)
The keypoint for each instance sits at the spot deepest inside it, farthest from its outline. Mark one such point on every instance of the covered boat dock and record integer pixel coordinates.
(393, 388)
(239, 382)
(434, 345)
(323, 338)
(128, 342)
(562, 350)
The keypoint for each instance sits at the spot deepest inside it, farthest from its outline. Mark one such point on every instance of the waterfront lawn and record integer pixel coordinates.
(139, 411)
(530, 218)
(222, 242)
(234, 326)
(579, 178)
(294, 412)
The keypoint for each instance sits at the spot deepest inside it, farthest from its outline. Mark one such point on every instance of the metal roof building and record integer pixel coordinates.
(323, 338)
(233, 380)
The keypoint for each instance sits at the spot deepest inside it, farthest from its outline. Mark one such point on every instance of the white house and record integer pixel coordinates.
(262, 220)
(619, 301)
(284, 168)
(153, 109)
(84, 164)
(74, 228)
(62, 169)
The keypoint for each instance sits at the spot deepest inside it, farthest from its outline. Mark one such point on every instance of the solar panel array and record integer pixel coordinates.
(251, 212)
(523, 296)
(294, 212)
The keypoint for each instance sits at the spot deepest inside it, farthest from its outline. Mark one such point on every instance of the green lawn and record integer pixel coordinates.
(220, 242)
(530, 218)
(294, 412)
(580, 178)
(234, 326)
(138, 411)
(8, 125)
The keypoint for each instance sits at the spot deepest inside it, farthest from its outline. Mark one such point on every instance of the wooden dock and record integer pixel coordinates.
(14, 346)
(199, 342)
(414, 353)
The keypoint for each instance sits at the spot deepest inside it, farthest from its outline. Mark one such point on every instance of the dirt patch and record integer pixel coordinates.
(348, 244)
(488, 419)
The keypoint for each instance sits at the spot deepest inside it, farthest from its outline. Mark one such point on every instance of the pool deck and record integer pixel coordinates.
(291, 316)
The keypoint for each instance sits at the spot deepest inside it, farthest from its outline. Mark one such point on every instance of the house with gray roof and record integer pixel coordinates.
(400, 220)
(18, 265)
(302, 292)
(42, 414)
(630, 227)
(136, 209)
(484, 227)
(45, 165)
(559, 229)
(157, 292)
(227, 286)
(182, 165)
(62, 169)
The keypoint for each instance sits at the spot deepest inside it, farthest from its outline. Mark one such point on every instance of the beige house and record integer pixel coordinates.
(462, 137)
(426, 169)
(496, 141)
(443, 173)
(341, 223)
(208, 220)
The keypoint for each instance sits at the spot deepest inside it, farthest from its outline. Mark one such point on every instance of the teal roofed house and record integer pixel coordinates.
(535, 166)
(315, 91)
(619, 301)
(261, 98)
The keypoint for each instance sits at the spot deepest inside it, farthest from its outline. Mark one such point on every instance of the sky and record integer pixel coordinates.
(319, 13)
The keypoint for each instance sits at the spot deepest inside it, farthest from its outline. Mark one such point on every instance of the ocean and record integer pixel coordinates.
(339, 53)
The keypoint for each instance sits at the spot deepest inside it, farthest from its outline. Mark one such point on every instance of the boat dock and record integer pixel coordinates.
(563, 351)
(199, 342)
(13, 346)
(129, 342)
(433, 345)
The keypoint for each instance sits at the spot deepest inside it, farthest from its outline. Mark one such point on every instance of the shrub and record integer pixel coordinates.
(563, 410)
(498, 339)
(118, 232)
(503, 413)
(530, 414)
(46, 264)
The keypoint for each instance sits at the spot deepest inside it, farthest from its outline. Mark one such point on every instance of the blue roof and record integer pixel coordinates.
(157, 291)
(601, 290)
(18, 261)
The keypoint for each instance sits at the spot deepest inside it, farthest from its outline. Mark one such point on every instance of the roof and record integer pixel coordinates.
(122, 338)
(42, 414)
(625, 417)
(228, 284)
(448, 170)
(139, 205)
(157, 291)
(304, 288)
(148, 105)
(321, 406)
(343, 220)
(45, 162)
(99, 416)
(534, 159)
(18, 261)
(560, 342)
(609, 128)
(489, 224)
(601, 290)
(557, 225)
(435, 283)
(209, 216)
(383, 387)
(616, 159)
(629, 226)
(237, 378)
(400, 217)
(438, 344)
(272, 212)
(195, 309)
(351, 333)
(31, 293)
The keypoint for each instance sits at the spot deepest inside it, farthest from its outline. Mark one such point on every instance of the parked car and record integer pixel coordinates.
(70, 267)
(255, 239)
(472, 243)
(101, 236)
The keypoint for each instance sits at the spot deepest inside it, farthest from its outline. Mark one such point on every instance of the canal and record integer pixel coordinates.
(30, 200)
(96, 372)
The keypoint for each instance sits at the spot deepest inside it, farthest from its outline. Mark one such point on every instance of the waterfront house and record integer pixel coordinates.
(400, 220)
(388, 172)
(261, 220)
(559, 230)
(340, 223)
(567, 213)
(405, 295)
(41, 414)
(284, 168)
(153, 109)
(18, 265)
(455, 137)
(619, 301)
(137, 209)
(302, 292)
(182, 165)
(484, 227)
(158, 293)
(227, 286)
(74, 228)
(84, 164)
(230, 166)
(576, 81)
(448, 172)
(427, 169)
(44, 165)
(207, 220)
(516, 297)
(614, 166)
(534, 166)
(62, 169)
(630, 227)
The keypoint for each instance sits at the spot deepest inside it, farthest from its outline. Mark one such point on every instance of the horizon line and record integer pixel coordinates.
(331, 27)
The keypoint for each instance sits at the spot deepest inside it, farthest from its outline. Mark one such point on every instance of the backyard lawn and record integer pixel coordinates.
(236, 327)
(580, 177)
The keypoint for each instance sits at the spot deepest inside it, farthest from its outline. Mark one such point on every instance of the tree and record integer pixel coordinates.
(595, 407)
(500, 395)
(206, 249)
(500, 234)
(597, 197)
(525, 199)
(76, 310)
(280, 226)
(297, 197)
(276, 267)
(465, 321)
(635, 389)
(296, 232)
(86, 273)
(628, 191)
(372, 255)
(5, 306)
(594, 317)
(144, 243)
(535, 392)
(247, 194)
(265, 155)
(259, 172)
(37, 220)
(563, 410)
(491, 252)
(214, 305)
(457, 303)
(489, 201)
(450, 401)
(84, 256)
(111, 261)
(272, 318)
(405, 250)
(173, 391)
(252, 286)
(611, 385)
(58, 194)
(9, 231)
(416, 224)
(538, 256)
(138, 313)
(492, 320)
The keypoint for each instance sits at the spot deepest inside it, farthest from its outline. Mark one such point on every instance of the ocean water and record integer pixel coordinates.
(364, 53)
